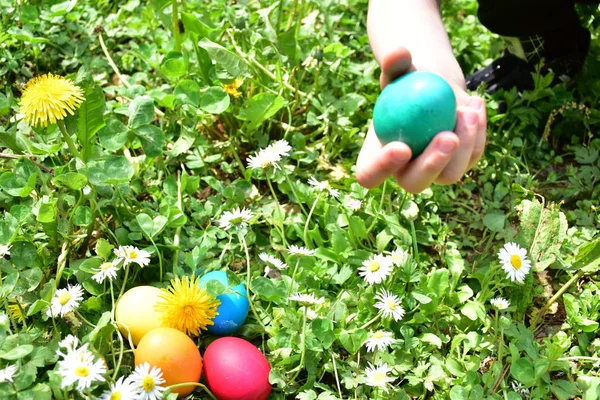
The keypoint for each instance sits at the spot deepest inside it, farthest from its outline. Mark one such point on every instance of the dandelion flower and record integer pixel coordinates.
(263, 160)
(5, 250)
(131, 254)
(399, 256)
(500, 303)
(106, 270)
(48, 98)
(65, 300)
(16, 312)
(321, 186)
(80, 367)
(272, 260)
(147, 382)
(187, 307)
(375, 269)
(122, 389)
(237, 217)
(379, 340)
(514, 262)
(307, 299)
(7, 374)
(232, 88)
(389, 305)
(300, 251)
(377, 376)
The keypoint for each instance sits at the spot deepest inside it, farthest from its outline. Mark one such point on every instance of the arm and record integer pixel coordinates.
(408, 35)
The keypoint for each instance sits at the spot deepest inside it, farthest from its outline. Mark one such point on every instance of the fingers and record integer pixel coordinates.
(376, 162)
(394, 65)
(480, 139)
(424, 170)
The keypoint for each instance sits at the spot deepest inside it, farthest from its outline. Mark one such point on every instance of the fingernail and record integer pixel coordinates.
(470, 117)
(476, 103)
(446, 146)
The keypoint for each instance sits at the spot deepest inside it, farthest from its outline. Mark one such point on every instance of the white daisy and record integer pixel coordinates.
(306, 299)
(377, 376)
(65, 300)
(147, 382)
(272, 260)
(122, 389)
(500, 303)
(300, 251)
(399, 256)
(106, 270)
(389, 305)
(79, 367)
(280, 147)
(354, 204)
(379, 340)
(514, 262)
(310, 313)
(5, 250)
(70, 343)
(237, 217)
(264, 159)
(131, 254)
(321, 186)
(376, 269)
(7, 374)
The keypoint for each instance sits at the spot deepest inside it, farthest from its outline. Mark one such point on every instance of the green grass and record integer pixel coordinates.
(164, 155)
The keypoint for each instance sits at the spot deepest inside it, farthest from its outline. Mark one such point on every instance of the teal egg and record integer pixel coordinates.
(233, 310)
(413, 109)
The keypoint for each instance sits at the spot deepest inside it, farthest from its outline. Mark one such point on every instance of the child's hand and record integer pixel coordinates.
(448, 156)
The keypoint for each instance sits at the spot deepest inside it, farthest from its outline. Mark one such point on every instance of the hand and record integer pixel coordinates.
(448, 156)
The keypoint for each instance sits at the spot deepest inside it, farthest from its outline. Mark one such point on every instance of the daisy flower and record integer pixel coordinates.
(5, 250)
(389, 305)
(147, 382)
(306, 299)
(65, 300)
(321, 186)
(514, 262)
(186, 306)
(131, 254)
(70, 343)
(122, 389)
(272, 260)
(375, 269)
(500, 303)
(399, 256)
(280, 147)
(48, 98)
(237, 217)
(80, 368)
(379, 340)
(106, 270)
(7, 374)
(354, 204)
(300, 251)
(264, 159)
(377, 376)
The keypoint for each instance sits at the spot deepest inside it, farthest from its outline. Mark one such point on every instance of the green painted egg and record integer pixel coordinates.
(413, 109)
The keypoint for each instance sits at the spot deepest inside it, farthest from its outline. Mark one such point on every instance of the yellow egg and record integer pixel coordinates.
(135, 312)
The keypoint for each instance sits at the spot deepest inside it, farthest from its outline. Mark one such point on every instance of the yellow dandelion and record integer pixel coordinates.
(48, 98)
(187, 307)
(16, 312)
(232, 88)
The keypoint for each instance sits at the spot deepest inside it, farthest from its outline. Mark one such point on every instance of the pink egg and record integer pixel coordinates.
(236, 370)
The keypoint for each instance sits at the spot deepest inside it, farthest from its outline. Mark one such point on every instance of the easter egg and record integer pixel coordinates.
(233, 310)
(175, 354)
(135, 312)
(413, 109)
(236, 370)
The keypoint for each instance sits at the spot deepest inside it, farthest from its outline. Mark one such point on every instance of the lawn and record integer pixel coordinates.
(203, 182)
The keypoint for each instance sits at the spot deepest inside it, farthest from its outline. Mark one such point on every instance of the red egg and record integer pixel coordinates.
(236, 370)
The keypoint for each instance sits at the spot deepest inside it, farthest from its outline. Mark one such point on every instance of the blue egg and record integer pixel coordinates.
(413, 109)
(234, 306)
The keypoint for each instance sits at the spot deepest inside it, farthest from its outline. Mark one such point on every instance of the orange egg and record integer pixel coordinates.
(175, 354)
(135, 312)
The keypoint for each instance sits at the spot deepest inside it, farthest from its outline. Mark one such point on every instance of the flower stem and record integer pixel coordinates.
(212, 396)
(302, 346)
(67, 137)
(279, 224)
(176, 238)
(293, 187)
(175, 19)
(160, 264)
(293, 277)
(250, 301)
(383, 190)
(124, 281)
(413, 233)
(310, 213)
(374, 319)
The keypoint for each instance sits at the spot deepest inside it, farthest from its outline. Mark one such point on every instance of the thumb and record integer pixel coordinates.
(394, 65)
